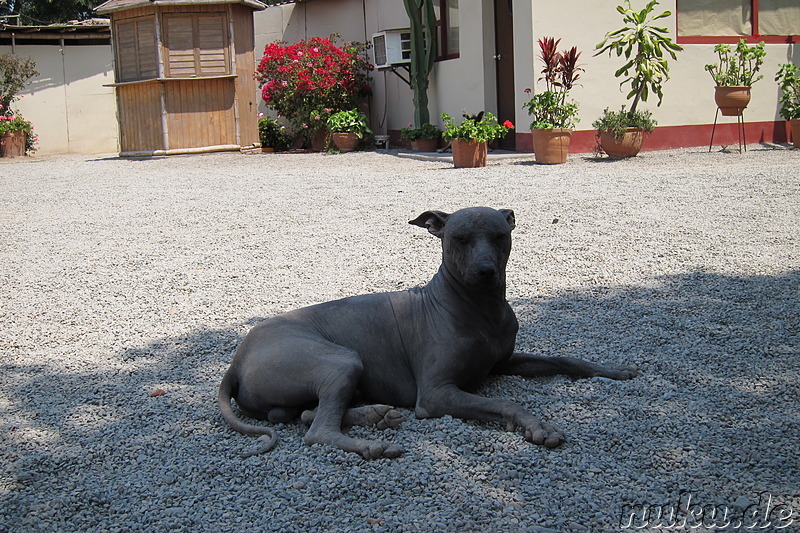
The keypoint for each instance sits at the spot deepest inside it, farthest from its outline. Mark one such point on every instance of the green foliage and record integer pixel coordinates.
(738, 66)
(273, 135)
(33, 12)
(549, 110)
(352, 121)
(482, 128)
(645, 47)
(15, 124)
(426, 131)
(788, 78)
(15, 73)
(616, 122)
(307, 81)
(422, 20)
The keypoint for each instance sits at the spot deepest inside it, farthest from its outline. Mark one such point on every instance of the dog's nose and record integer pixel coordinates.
(486, 272)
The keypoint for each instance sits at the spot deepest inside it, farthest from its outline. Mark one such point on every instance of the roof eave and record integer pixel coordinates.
(254, 4)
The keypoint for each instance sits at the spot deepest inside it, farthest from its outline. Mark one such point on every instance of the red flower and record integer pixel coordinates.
(508, 124)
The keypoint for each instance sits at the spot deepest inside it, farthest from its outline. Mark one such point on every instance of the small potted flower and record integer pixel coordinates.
(316, 128)
(423, 139)
(273, 136)
(16, 135)
(788, 78)
(645, 47)
(735, 74)
(470, 139)
(553, 115)
(347, 128)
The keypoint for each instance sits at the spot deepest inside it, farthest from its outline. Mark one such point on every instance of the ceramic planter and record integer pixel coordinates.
(731, 101)
(12, 144)
(425, 145)
(795, 125)
(551, 146)
(628, 146)
(346, 142)
(469, 154)
(319, 140)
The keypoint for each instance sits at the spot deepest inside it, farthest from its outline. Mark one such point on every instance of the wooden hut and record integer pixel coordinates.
(184, 74)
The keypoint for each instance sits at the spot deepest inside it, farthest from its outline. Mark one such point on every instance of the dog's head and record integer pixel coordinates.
(476, 243)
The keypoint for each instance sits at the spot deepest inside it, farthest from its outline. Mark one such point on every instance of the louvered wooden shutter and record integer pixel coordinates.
(148, 52)
(211, 44)
(127, 65)
(197, 45)
(137, 57)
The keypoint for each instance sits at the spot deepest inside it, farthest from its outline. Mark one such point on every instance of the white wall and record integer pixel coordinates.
(688, 94)
(71, 110)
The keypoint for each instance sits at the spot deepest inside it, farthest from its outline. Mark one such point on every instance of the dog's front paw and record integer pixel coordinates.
(383, 417)
(544, 434)
(380, 450)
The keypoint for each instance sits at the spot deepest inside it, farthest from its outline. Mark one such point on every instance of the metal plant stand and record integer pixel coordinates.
(739, 128)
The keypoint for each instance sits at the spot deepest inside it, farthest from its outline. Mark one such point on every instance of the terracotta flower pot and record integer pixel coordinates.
(795, 125)
(319, 140)
(12, 144)
(731, 101)
(346, 142)
(628, 146)
(469, 154)
(551, 146)
(425, 145)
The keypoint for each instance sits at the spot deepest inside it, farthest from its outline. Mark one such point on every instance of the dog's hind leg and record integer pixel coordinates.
(335, 378)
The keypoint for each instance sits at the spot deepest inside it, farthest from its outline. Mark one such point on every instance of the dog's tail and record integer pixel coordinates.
(226, 391)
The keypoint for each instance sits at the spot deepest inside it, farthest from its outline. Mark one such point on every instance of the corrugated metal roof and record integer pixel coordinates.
(115, 5)
(86, 28)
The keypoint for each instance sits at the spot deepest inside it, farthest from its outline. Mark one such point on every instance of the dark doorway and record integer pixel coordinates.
(504, 58)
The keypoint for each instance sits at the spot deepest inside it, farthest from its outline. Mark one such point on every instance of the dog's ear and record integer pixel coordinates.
(433, 221)
(509, 214)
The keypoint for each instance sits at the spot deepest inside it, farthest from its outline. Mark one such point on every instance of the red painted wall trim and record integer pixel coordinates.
(666, 137)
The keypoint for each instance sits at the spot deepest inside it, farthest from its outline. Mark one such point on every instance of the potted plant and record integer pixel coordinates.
(273, 136)
(735, 74)
(470, 139)
(347, 128)
(645, 47)
(788, 78)
(423, 139)
(16, 135)
(307, 81)
(553, 115)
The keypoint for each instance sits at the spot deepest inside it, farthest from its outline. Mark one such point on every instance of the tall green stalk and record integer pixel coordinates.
(423, 52)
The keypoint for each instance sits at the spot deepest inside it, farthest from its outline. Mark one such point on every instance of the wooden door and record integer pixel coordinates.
(504, 58)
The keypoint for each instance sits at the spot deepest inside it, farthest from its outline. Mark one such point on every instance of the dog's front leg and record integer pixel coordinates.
(450, 400)
(531, 365)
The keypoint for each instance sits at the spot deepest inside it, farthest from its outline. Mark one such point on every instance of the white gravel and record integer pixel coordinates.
(119, 278)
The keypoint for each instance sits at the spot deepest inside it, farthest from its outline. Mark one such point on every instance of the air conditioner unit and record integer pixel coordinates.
(392, 47)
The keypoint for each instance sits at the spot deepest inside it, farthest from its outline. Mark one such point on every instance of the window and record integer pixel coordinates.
(447, 29)
(196, 45)
(137, 58)
(715, 21)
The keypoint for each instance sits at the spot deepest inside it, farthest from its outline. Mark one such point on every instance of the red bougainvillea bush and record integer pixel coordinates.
(312, 78)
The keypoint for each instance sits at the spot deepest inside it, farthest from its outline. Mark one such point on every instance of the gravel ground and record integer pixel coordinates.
(120, 278)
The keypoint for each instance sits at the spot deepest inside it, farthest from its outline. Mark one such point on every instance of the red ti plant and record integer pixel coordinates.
(561, 69)
(550, 108)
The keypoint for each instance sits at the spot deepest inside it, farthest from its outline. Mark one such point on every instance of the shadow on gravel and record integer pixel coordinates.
(717, 397)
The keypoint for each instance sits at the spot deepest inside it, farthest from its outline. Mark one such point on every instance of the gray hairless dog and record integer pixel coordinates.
(427, 348)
